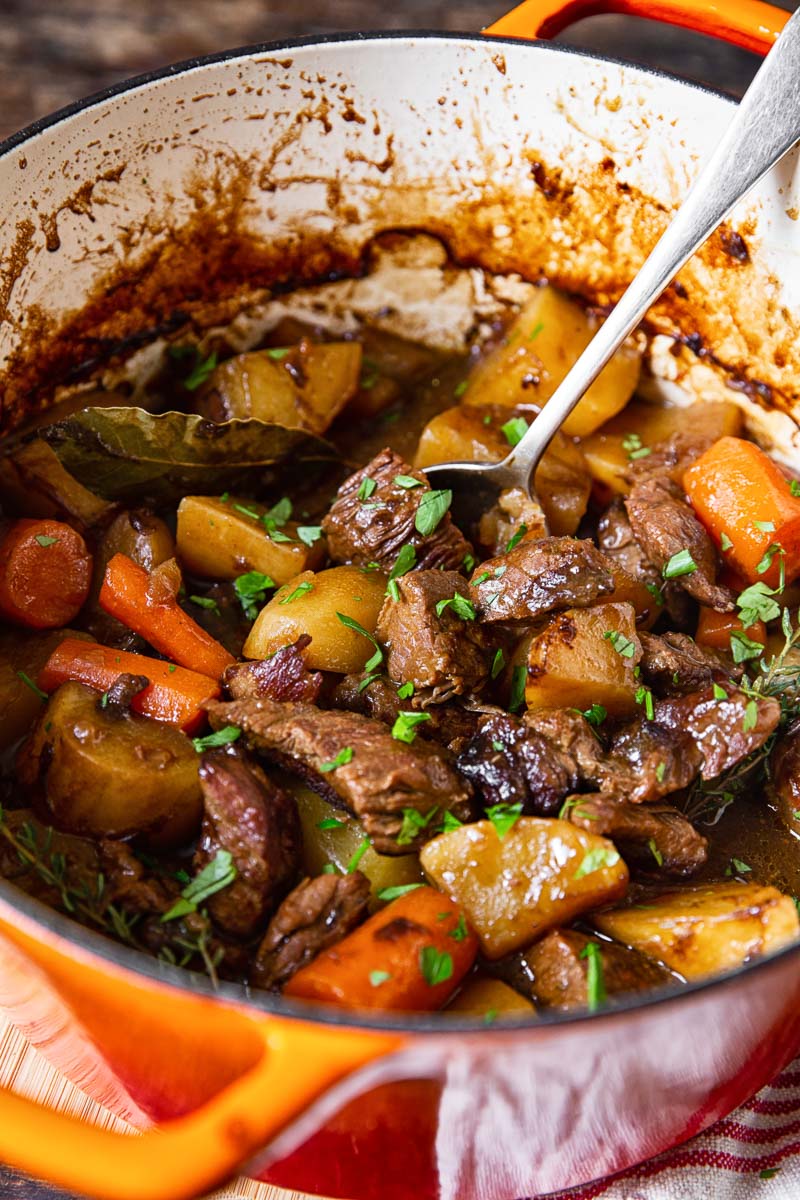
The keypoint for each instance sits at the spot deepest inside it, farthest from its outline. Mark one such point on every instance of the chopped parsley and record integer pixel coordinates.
(497, 745)
(44, 540)
(309, 534)
(461, 606)
(406, 690)
(623, 646)
(331, 823)
(595, 715)
(595, 984)
(405, 726)
(460, 388)
(516, 538)
(517, 697)
(725, 543)
(406, 559)
(632, 445)
(765, 526)
(200, 372)
(344, 756)
(656, 853)
(645, 696)
(251, 591)
(432, 508)
(247, 512)
(435, 965)
(222, 737)
(413, 824)
(361, 850)
(37, 691)
(680, 564)
(537, 329)
(205, 602)
(750, 718)
(794, 487)
(596, 859)
(276, 353)
(770, 1172)
(504, 817)
(765, 562)
(350, 623)
(744, 648)
(217, 874)
(655, 592)
(460, 933)
(719, 692)
(407, 481)
(376, 978)
(661, 771)
(400, 889)
(515, 430)
(450, 822)
(302, 589)
(367, 487)
(498, 663)
(737, 867)
(756, 603)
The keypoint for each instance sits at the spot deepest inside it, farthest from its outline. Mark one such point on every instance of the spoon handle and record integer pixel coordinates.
(764, 128)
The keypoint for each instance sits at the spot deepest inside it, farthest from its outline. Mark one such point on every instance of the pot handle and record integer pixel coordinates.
(186, 1157)
(750, 24)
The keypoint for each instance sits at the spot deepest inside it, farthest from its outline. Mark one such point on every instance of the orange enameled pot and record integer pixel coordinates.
(190, 194)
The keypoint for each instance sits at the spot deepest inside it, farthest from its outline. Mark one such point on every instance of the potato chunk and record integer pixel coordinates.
(489, 998)
(309, 604)
(700, 931)
(513, 889)
(110, 773)
(222, 539)
(305, 386)
(585, 656)
(643, 425)
(540, 347)
(21, 704)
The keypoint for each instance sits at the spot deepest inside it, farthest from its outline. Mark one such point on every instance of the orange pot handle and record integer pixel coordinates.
(188, 1156)
(750, 24)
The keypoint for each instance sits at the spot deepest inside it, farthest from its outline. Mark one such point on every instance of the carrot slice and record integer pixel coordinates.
(45, 573)
(163, 623)
(410, 956)
(173, 694)
(744, 500)
(714, 629)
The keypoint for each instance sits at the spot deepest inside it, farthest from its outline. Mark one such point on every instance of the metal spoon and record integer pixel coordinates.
(764, 128)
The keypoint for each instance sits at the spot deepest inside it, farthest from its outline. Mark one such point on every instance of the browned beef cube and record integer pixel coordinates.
(670, 458)
(356, 763)
(665, 525)
(539, 577)
(570, 732)
(654, 836)
(784, 778)
(284, 676)
(647, 760)
(559, 965)
(256, 821)
(369, 523)
(316, 915)
(432, 637)
(673, 664)
(726, 731)
(450, 724)
(507, 762)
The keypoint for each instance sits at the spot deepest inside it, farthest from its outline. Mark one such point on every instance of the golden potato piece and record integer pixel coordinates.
(543, 343)
(305, 386)
(221, 539)
(703, 930)
(107, 773)
(585, 656)
(309, 604)
(642, 426)
(489, 998)
(542, 873)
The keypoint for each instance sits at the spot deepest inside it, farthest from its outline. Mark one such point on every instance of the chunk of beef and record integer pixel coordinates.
(515, 507)
(539, 577)
(435, 645)
(647, 760)
(449, 724)
(284, 676)
(670, 458)
(784, 777)
(375, 527)
(655, 836)
(673, 664)
(725, 731)
(572, 735)
(664, 525)
(507, 762)
(615, 538)
(132, 885)
(316, 915)
(559, 967)
(381, 777)
(257, 822)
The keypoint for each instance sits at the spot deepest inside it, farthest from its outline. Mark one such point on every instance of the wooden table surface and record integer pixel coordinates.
(54, 51)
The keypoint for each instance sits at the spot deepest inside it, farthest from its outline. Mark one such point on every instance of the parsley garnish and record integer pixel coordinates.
(766, 561)
(26, 679)
(596, 859)
(460, 388)
(377, 657)
(367, 487)
(498, 663)
(376, 978)
(200, 372)
(436, 965)
(623, 646)
(744, 648)
(725, 543)
(595, 715)
(633, 447)
(750, 718)
(681, 563)
(450, 823)
(432, 507)
(719, 692)
(215, 876)
(794, 487)
(309, 534)
(407, 481)
(515, 540)
(413, 823)
(205, 602)
(595, 984)
(331, 823)
(251, 591)
(661, 771)
(645, 696)
(656, 853)
(515, 430)
(44, 540)
(756, 603)
(518, 679)
(460, 933)
(461, 606)
(406, 559)
(302, 589)
(400, 889)
(344, 756)
(738, 867)
(406, 690)
(222, 737)
(404, 728)
(504, 817)
(765, 526)
(361, 850)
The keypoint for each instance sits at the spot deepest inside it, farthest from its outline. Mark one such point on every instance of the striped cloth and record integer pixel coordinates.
(752, 1154)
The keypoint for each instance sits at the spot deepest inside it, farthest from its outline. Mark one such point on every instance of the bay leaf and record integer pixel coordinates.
(131, 455)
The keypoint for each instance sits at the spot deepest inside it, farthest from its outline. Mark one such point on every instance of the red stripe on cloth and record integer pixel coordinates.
(772, 1108)
(752, 1135)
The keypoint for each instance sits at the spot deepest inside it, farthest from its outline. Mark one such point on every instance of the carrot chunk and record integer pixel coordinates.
(714, 629)
(410, 956)
(173, 693)
(125, 594)
(745, 501)
(45, 573)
